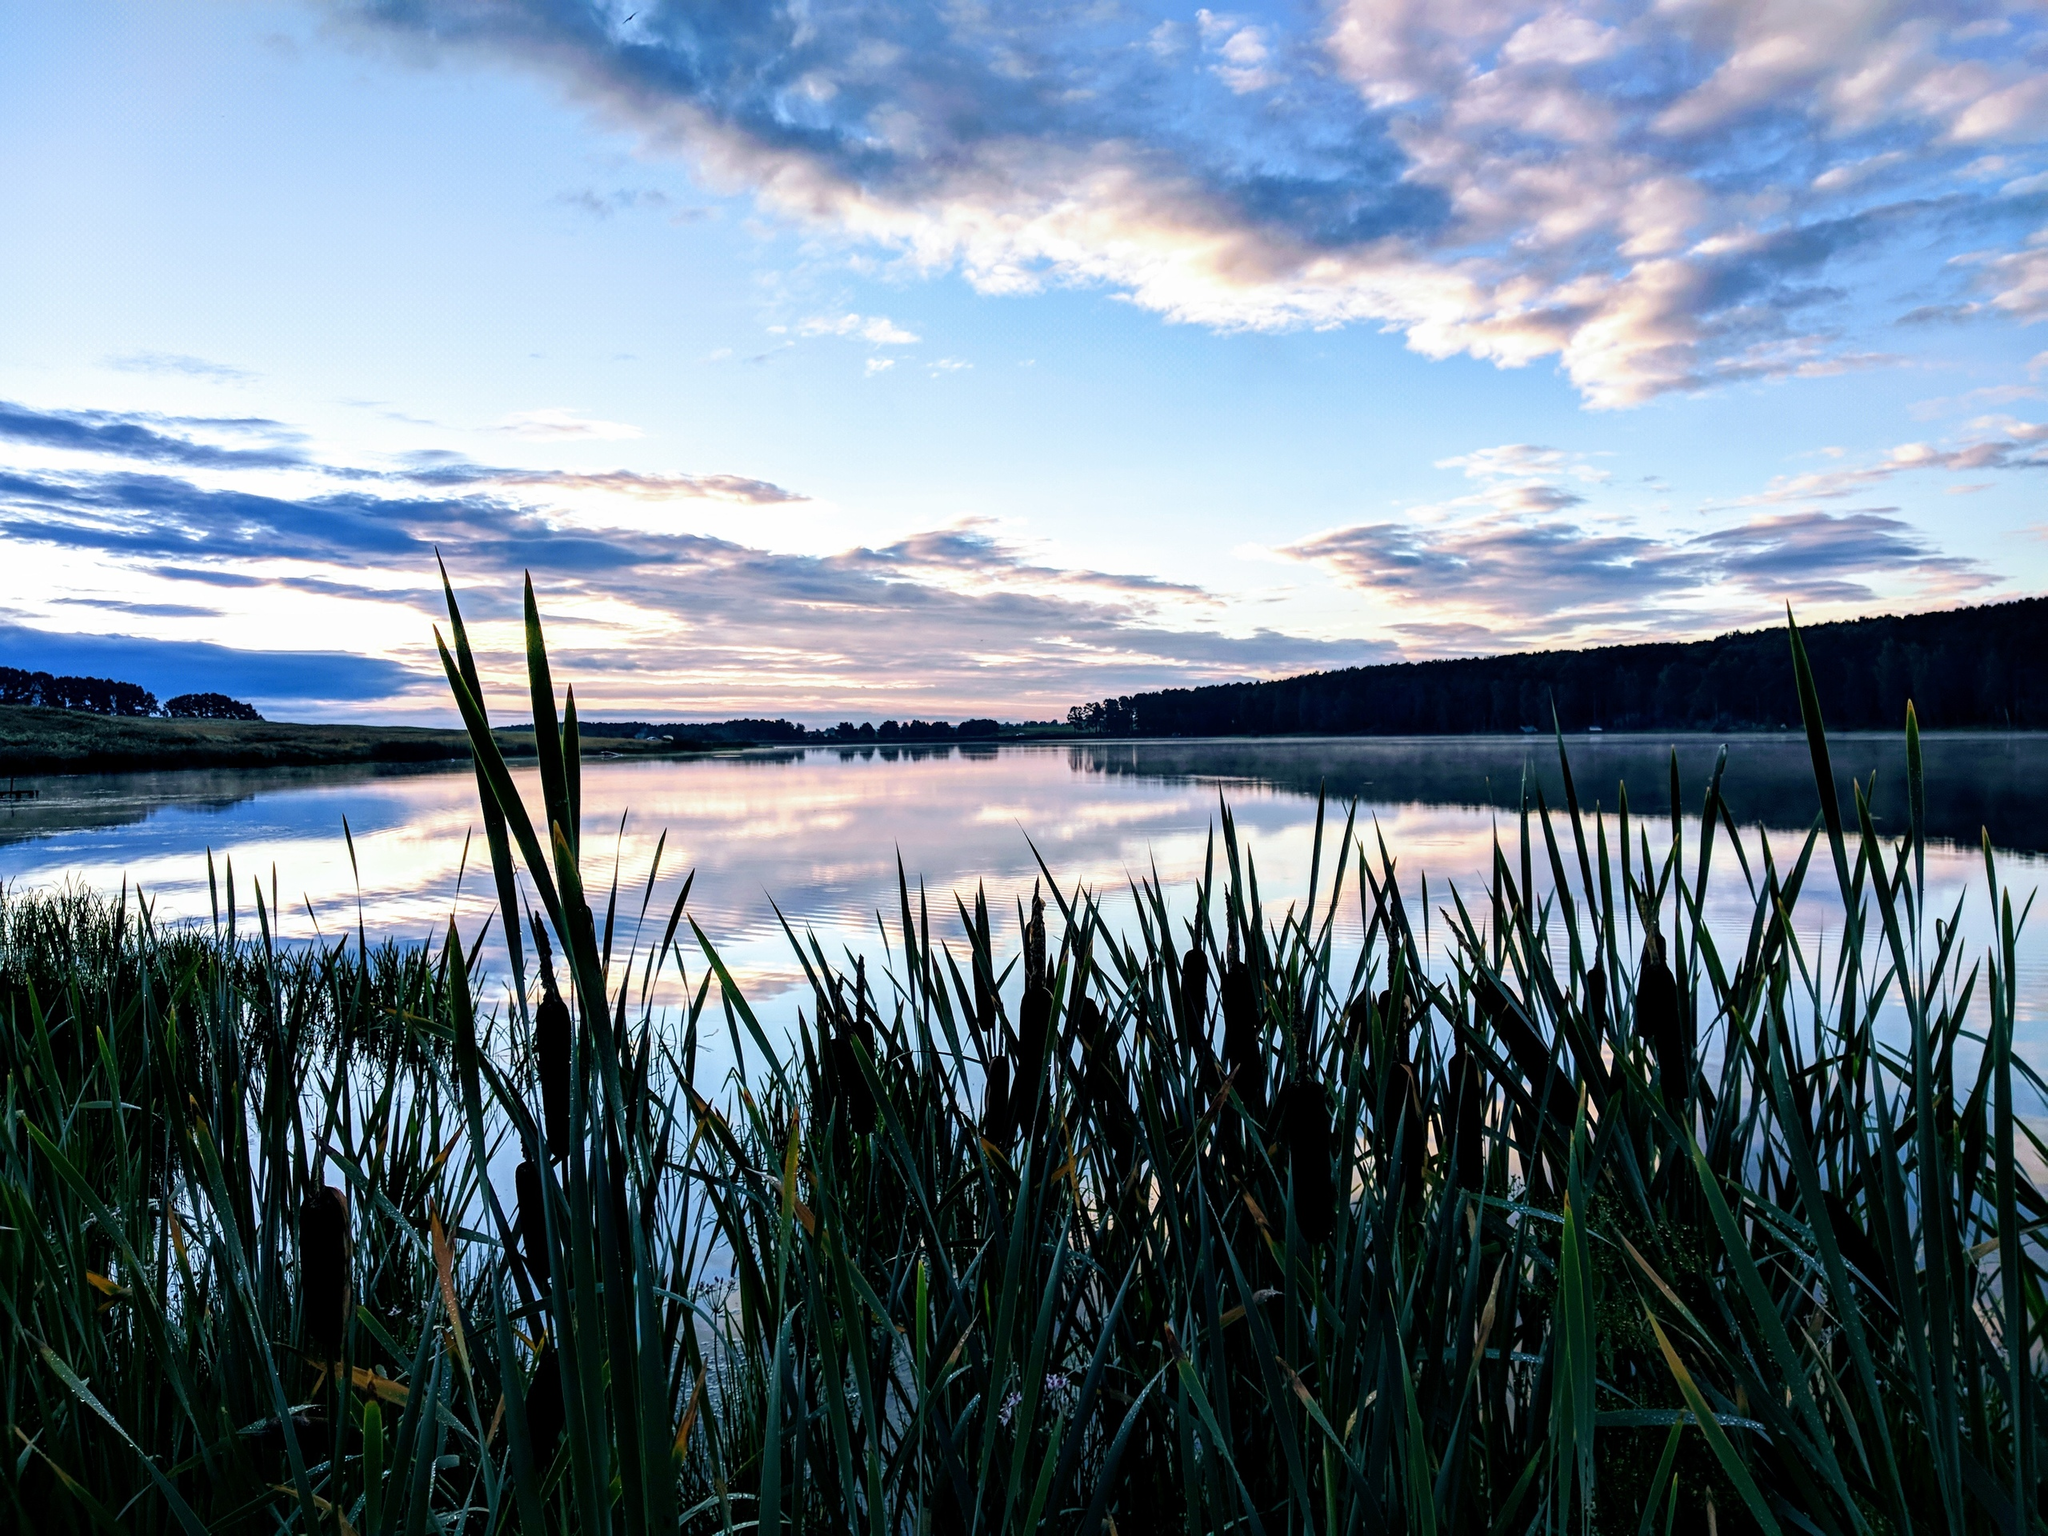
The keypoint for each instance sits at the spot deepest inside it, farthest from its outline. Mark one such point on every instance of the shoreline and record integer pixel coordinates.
(38, 743)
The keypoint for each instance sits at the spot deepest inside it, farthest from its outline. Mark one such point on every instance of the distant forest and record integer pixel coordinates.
(765, 732)
(1981, 667)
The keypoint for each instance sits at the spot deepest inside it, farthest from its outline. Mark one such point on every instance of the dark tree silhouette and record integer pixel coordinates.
(209, 706)
(97, 695)
(1966, 667)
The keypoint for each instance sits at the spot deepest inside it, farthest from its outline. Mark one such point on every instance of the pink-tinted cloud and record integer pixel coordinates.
(1653, 197)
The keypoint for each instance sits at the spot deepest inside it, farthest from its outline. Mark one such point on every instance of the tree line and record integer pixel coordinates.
(767, 732)
(1968, 667)
(109, 696)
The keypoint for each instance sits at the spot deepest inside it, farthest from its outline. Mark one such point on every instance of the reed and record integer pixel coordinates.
(1606, 1224)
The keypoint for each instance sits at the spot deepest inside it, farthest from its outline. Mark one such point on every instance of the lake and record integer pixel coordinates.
(818, 831)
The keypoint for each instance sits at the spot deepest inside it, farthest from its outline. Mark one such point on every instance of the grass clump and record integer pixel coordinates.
(1199, 1225)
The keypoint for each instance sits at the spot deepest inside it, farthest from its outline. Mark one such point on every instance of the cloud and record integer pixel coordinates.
(1504, 566)
(1525, 558)
(1820, 555)
(555, 422)
(180, 363)
(1988, 443)
(143, 610)
(1653, 197)
(1242, 54)
(942, 622)
(1520, 579)
(145, 438)
(877, 330)
(269, 679)
(969, 552)
(141, 436)
(618, 482)
(602, 205)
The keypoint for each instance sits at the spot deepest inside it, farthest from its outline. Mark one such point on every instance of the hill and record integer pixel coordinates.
(1968, 667)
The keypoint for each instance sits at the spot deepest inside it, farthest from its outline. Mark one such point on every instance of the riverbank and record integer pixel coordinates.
(41, 741)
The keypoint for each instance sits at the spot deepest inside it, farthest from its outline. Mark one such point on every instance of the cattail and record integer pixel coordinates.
(995, 1114)
(1194, 1002)
(1467, 1143)
(1034, 943)
(586, 930)
(1357, 1023)
(1301, 1122)
(1596, 1004)
(1034, 1028)
(1241, 1053)
(1397, 1022)
(533, 1232)
(1102, 1082)
(551, 1036)
(544, 1405)
(1385, 1044)
(326, 1297)
(1657, 1022)
(850, 1084)
(551, 1054)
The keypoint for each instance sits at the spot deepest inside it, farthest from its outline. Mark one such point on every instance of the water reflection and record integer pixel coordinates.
(1985, 780)
(820, 832)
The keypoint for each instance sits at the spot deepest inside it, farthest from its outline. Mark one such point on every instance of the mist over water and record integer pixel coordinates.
(817, 833)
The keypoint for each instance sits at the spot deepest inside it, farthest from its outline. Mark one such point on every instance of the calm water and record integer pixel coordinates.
(819, 831)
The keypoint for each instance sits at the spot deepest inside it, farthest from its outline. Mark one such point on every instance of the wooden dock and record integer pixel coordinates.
(12, 795)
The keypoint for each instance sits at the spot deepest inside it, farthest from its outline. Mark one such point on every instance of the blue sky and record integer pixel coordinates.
(873, 360)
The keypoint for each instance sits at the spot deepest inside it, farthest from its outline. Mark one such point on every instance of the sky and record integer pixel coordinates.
(898, 360)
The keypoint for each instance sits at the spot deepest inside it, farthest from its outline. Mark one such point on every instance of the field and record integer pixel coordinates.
(1199, 1227)
(43, 741)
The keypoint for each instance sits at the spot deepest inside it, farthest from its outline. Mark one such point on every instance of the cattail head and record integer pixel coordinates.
(1194, 997)
(1657, 1021)
(533, 1232)
(551, 1031)
(551, 1038)
(1301, 1123)
(1240, 1015)
(544, 1405)
(1467, 1146)
(1358, 1022)
(1101, 1072)
(1396, 1018)
(1241, 1054)
(995, 1115)
(850, 1084)
(1104, 1085)
(326, 1262)
(1034, 1031)
(1034, 943)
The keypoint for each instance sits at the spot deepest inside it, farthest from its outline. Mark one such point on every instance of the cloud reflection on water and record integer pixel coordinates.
(818, 833)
